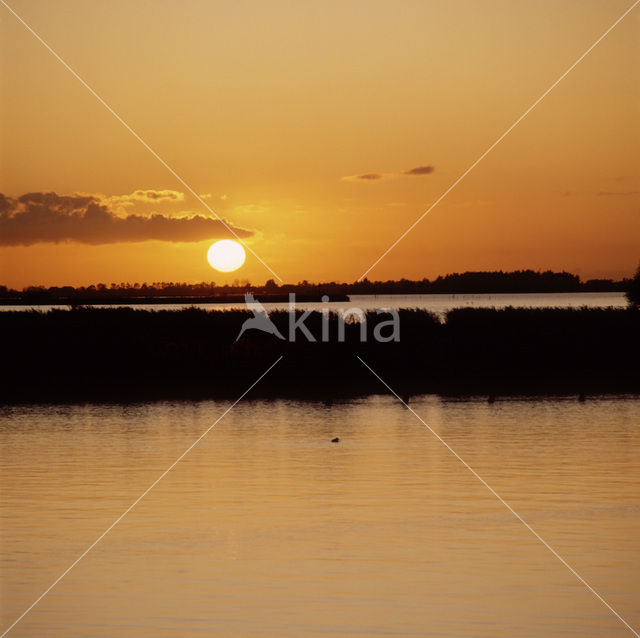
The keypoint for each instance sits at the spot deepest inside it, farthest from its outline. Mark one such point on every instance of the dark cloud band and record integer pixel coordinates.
(420, 170)
(370, 176)
(53, 218)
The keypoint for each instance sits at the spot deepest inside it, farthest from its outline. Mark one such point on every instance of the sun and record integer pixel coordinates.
(226, 255)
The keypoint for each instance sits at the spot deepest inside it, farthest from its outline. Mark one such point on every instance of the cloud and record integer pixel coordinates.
(367, 177)
(147, 196)
(52, 218)
(371, 177)
(157, 196)
(419, 170)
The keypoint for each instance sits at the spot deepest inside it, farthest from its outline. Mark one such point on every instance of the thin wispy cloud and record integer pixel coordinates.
(417, 171)
(148, 196)
(363, 177)
(52, 218)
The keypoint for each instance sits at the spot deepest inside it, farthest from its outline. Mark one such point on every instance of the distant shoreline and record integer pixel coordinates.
(466, 283)
(131, 301)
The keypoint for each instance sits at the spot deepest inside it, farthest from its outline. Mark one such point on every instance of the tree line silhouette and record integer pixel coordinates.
(519, 281)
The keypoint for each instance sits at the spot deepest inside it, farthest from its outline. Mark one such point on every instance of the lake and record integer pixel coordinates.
(267, 528)
(439, 304)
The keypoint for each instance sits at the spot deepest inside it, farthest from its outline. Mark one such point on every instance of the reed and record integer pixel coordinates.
(129, 354)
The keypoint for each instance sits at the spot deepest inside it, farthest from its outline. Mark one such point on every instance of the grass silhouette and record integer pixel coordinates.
(128, 354)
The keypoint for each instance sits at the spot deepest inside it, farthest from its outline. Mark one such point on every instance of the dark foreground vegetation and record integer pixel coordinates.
(127, 354)
(519, 281)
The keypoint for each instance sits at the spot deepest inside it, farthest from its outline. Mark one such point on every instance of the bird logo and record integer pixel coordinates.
(260, 319)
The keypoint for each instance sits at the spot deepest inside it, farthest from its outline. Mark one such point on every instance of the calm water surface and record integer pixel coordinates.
(268, 529)
(439, 304)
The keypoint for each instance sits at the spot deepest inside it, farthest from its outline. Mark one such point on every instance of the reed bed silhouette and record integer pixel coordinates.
(126, 354)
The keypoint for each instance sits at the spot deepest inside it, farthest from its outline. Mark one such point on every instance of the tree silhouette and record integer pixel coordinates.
(633, 291)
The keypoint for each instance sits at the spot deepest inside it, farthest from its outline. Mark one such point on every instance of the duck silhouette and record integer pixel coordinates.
(260, 319)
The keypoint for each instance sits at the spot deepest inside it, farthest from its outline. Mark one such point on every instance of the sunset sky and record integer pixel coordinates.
(319, 131)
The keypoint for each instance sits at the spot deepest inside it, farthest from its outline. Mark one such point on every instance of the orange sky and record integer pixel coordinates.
(266, 108)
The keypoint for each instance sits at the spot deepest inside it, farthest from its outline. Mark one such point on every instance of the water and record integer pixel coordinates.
(439, 304)
(267, 528)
